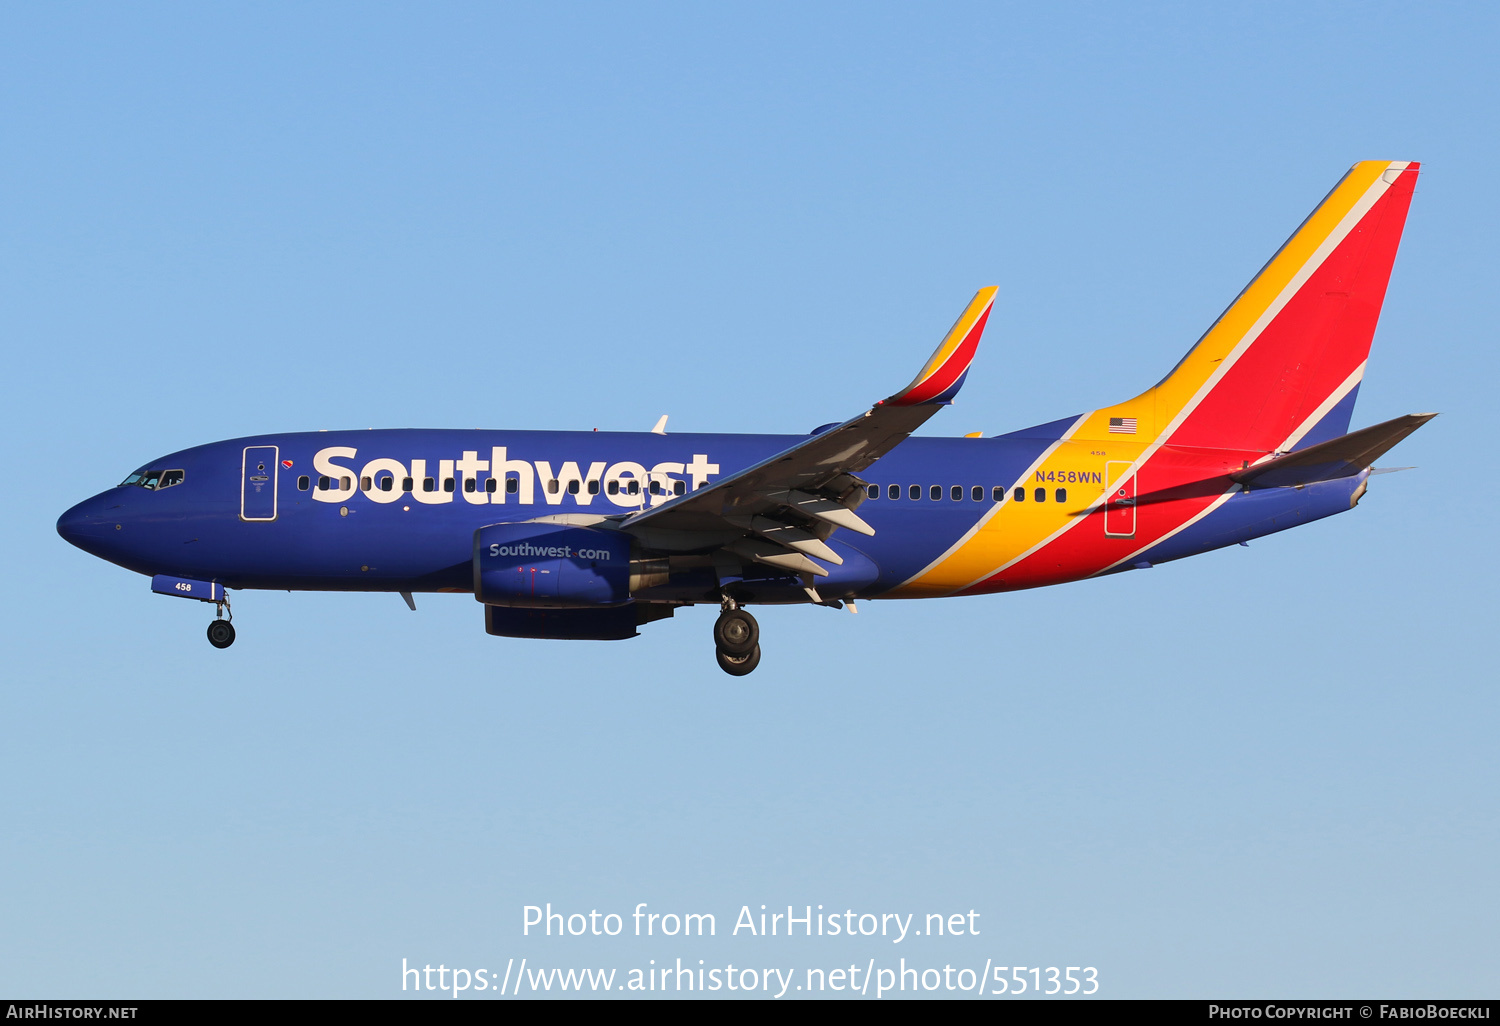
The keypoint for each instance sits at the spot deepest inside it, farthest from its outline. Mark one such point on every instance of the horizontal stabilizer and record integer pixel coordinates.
(1338, 457)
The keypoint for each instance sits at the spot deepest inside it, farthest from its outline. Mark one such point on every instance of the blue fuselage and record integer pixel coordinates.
(396, 510)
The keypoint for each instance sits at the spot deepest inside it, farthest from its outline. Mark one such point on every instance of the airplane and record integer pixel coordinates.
(592, 535)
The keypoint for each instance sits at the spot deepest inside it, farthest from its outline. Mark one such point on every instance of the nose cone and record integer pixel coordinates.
(87, 524)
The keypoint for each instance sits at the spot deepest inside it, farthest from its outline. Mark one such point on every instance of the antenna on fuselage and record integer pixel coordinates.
(661, 426)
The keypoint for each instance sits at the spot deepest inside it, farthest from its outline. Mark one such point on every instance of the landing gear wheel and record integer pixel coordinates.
(736, 633)
(738, 665)
(221, 634)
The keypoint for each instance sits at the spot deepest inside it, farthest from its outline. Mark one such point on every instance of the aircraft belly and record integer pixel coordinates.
(1255, 514)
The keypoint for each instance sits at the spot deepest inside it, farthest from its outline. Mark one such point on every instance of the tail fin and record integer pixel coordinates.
(1280, 367)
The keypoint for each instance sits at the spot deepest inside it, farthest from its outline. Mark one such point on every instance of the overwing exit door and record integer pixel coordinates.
(258, 483)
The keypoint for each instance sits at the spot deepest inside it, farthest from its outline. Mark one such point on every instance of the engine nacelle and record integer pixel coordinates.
(551, 566)
(612, 623)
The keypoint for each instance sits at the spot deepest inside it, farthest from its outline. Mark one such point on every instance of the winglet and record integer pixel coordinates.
(943, 375)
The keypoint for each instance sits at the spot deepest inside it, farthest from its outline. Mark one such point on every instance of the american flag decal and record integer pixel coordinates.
(1122, 425)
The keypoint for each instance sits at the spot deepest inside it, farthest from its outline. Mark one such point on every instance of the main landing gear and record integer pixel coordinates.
(736, 641)
(220, 630)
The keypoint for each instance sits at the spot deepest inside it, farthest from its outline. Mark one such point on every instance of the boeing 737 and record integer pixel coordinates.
(591, 535)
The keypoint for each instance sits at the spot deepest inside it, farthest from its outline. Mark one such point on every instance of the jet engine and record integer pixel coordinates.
(539, 565)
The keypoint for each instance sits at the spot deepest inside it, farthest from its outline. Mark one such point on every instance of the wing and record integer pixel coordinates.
(781, 511)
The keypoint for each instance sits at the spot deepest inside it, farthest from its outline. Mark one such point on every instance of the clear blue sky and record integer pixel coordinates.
(1267, 771)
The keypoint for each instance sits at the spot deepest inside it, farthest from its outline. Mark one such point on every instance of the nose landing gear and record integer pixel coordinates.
(220, 630)
(221, 633)
(736, 640)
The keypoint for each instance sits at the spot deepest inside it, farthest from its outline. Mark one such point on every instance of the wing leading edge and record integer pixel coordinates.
(781, 511)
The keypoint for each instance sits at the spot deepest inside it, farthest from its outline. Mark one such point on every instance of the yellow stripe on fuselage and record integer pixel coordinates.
(1014, 529)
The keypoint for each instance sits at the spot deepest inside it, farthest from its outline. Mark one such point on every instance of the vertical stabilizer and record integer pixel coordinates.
(1281, 365)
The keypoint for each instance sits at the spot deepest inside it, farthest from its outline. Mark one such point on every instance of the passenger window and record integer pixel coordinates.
(447, 484)
(573, 487)
(593, 487)
(470, 484)
(512, 485)
(915, 491)
(893, 491)
(429, 485)
(956, 493)
(679, 488)
(1062, 495)
(552, 486)
(346, 484)
(655, 488)
(303, 483)
(491, 485)
(977, 493)
(170, 478)
(385, 483)
(936, 491)
(364, 484)
(1041, 495)
(1020, 495)
(634, 488)
(406, 484)
(323, 484)
(998, 494)
(873, 491)
(614, 488)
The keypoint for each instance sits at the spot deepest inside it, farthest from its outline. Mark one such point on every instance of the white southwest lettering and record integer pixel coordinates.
(324, 465)
(569, 473)
(552, 551)
(468, 470)
(700, 468)
(501, 467)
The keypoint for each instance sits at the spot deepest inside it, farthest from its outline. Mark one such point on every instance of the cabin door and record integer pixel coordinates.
(258, 483)
(1119, 510)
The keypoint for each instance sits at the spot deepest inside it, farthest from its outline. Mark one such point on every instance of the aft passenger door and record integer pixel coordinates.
(1119, 509)
(258, 483)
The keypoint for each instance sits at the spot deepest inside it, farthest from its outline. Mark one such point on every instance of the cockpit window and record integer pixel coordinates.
(153, 479)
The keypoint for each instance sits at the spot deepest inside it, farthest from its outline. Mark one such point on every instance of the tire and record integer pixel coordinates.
(736, 633)
(738, 665)
(221, 633)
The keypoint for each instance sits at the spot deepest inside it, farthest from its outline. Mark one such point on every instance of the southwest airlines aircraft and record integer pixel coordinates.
(591, 535)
